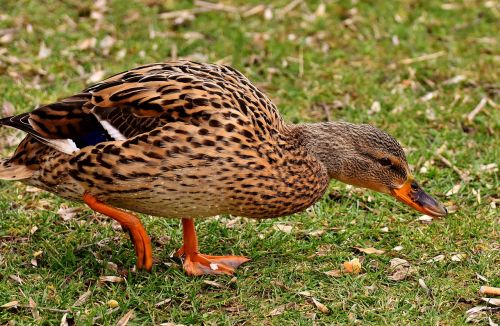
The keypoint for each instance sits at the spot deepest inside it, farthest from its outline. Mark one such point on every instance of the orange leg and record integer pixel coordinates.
(129, 222)
(199, 264)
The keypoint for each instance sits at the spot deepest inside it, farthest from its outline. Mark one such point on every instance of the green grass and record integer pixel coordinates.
(347, 59)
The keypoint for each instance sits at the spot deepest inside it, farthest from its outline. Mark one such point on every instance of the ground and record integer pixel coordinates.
(425, 71)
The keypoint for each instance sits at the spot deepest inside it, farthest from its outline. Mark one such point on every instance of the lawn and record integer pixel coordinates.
(425, 71)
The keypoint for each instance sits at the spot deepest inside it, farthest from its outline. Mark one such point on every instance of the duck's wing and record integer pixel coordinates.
(139, 100)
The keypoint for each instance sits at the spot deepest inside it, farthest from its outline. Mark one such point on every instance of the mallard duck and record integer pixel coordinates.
(192, 140)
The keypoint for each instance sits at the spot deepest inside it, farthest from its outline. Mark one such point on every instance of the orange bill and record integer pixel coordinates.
(412, 195)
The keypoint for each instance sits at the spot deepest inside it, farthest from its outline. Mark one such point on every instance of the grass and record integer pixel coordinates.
(359, 61)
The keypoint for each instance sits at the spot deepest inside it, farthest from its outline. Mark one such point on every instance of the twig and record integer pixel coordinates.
(215, 6)
(477, 109)
(254, 10)
(463, 176)
(425, 57)
(289, 7)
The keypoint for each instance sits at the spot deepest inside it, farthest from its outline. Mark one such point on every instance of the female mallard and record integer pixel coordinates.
(185, 139)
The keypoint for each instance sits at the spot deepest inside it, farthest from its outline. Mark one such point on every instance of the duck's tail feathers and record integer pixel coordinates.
(12, 171)
(21, 122)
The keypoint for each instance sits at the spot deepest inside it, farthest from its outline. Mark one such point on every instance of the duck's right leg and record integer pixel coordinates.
(129, 222)
(200, 264)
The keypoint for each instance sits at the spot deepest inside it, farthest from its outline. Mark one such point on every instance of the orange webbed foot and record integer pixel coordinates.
(196, 264)
(199, 264)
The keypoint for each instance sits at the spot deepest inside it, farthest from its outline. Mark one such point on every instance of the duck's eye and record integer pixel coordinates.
(385, 161)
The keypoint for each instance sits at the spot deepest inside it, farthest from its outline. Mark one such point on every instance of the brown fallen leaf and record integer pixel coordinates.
(352, 266)
(305, 293)
(279, 310)
(34, 311)
(459, 257)
(401, 269)
(492, 301)
(16, 279)
(67, 213)
(11, 304)
(82, 299)
(321, 307)
(111, 279)
(163, 302)
(334, 273)
(370, 250)
(283, 228)
(125, 318)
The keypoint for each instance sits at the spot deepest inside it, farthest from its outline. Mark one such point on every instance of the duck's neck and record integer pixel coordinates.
(332, 143)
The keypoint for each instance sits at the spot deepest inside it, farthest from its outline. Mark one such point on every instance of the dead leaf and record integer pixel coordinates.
(436, 259)
(278, 310)
(163, 302)
(10, 304)
(316, 233)
(44, 51)
(370, 250)
(401, 269)
(352, 266)
(67, 213)
(283, 228)
(334, 273)
(16, 279)
(34, 311)
(82, 299)
(426, 219)
(321, 307)
(454, 190)
(111, 279)
(305, 293)
(64, 320)
(458, 257)
(492, 301)
(124, 320)
(476, 313)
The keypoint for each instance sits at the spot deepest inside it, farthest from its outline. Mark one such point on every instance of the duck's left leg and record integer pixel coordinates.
(200, 264)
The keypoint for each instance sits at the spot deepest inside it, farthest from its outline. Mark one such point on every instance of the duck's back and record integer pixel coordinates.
(176, 139)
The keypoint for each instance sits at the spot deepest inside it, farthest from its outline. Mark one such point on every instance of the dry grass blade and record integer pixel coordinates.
(214, 284)
(421, 58)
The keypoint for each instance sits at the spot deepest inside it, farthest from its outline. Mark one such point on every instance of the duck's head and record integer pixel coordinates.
(365, 156)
